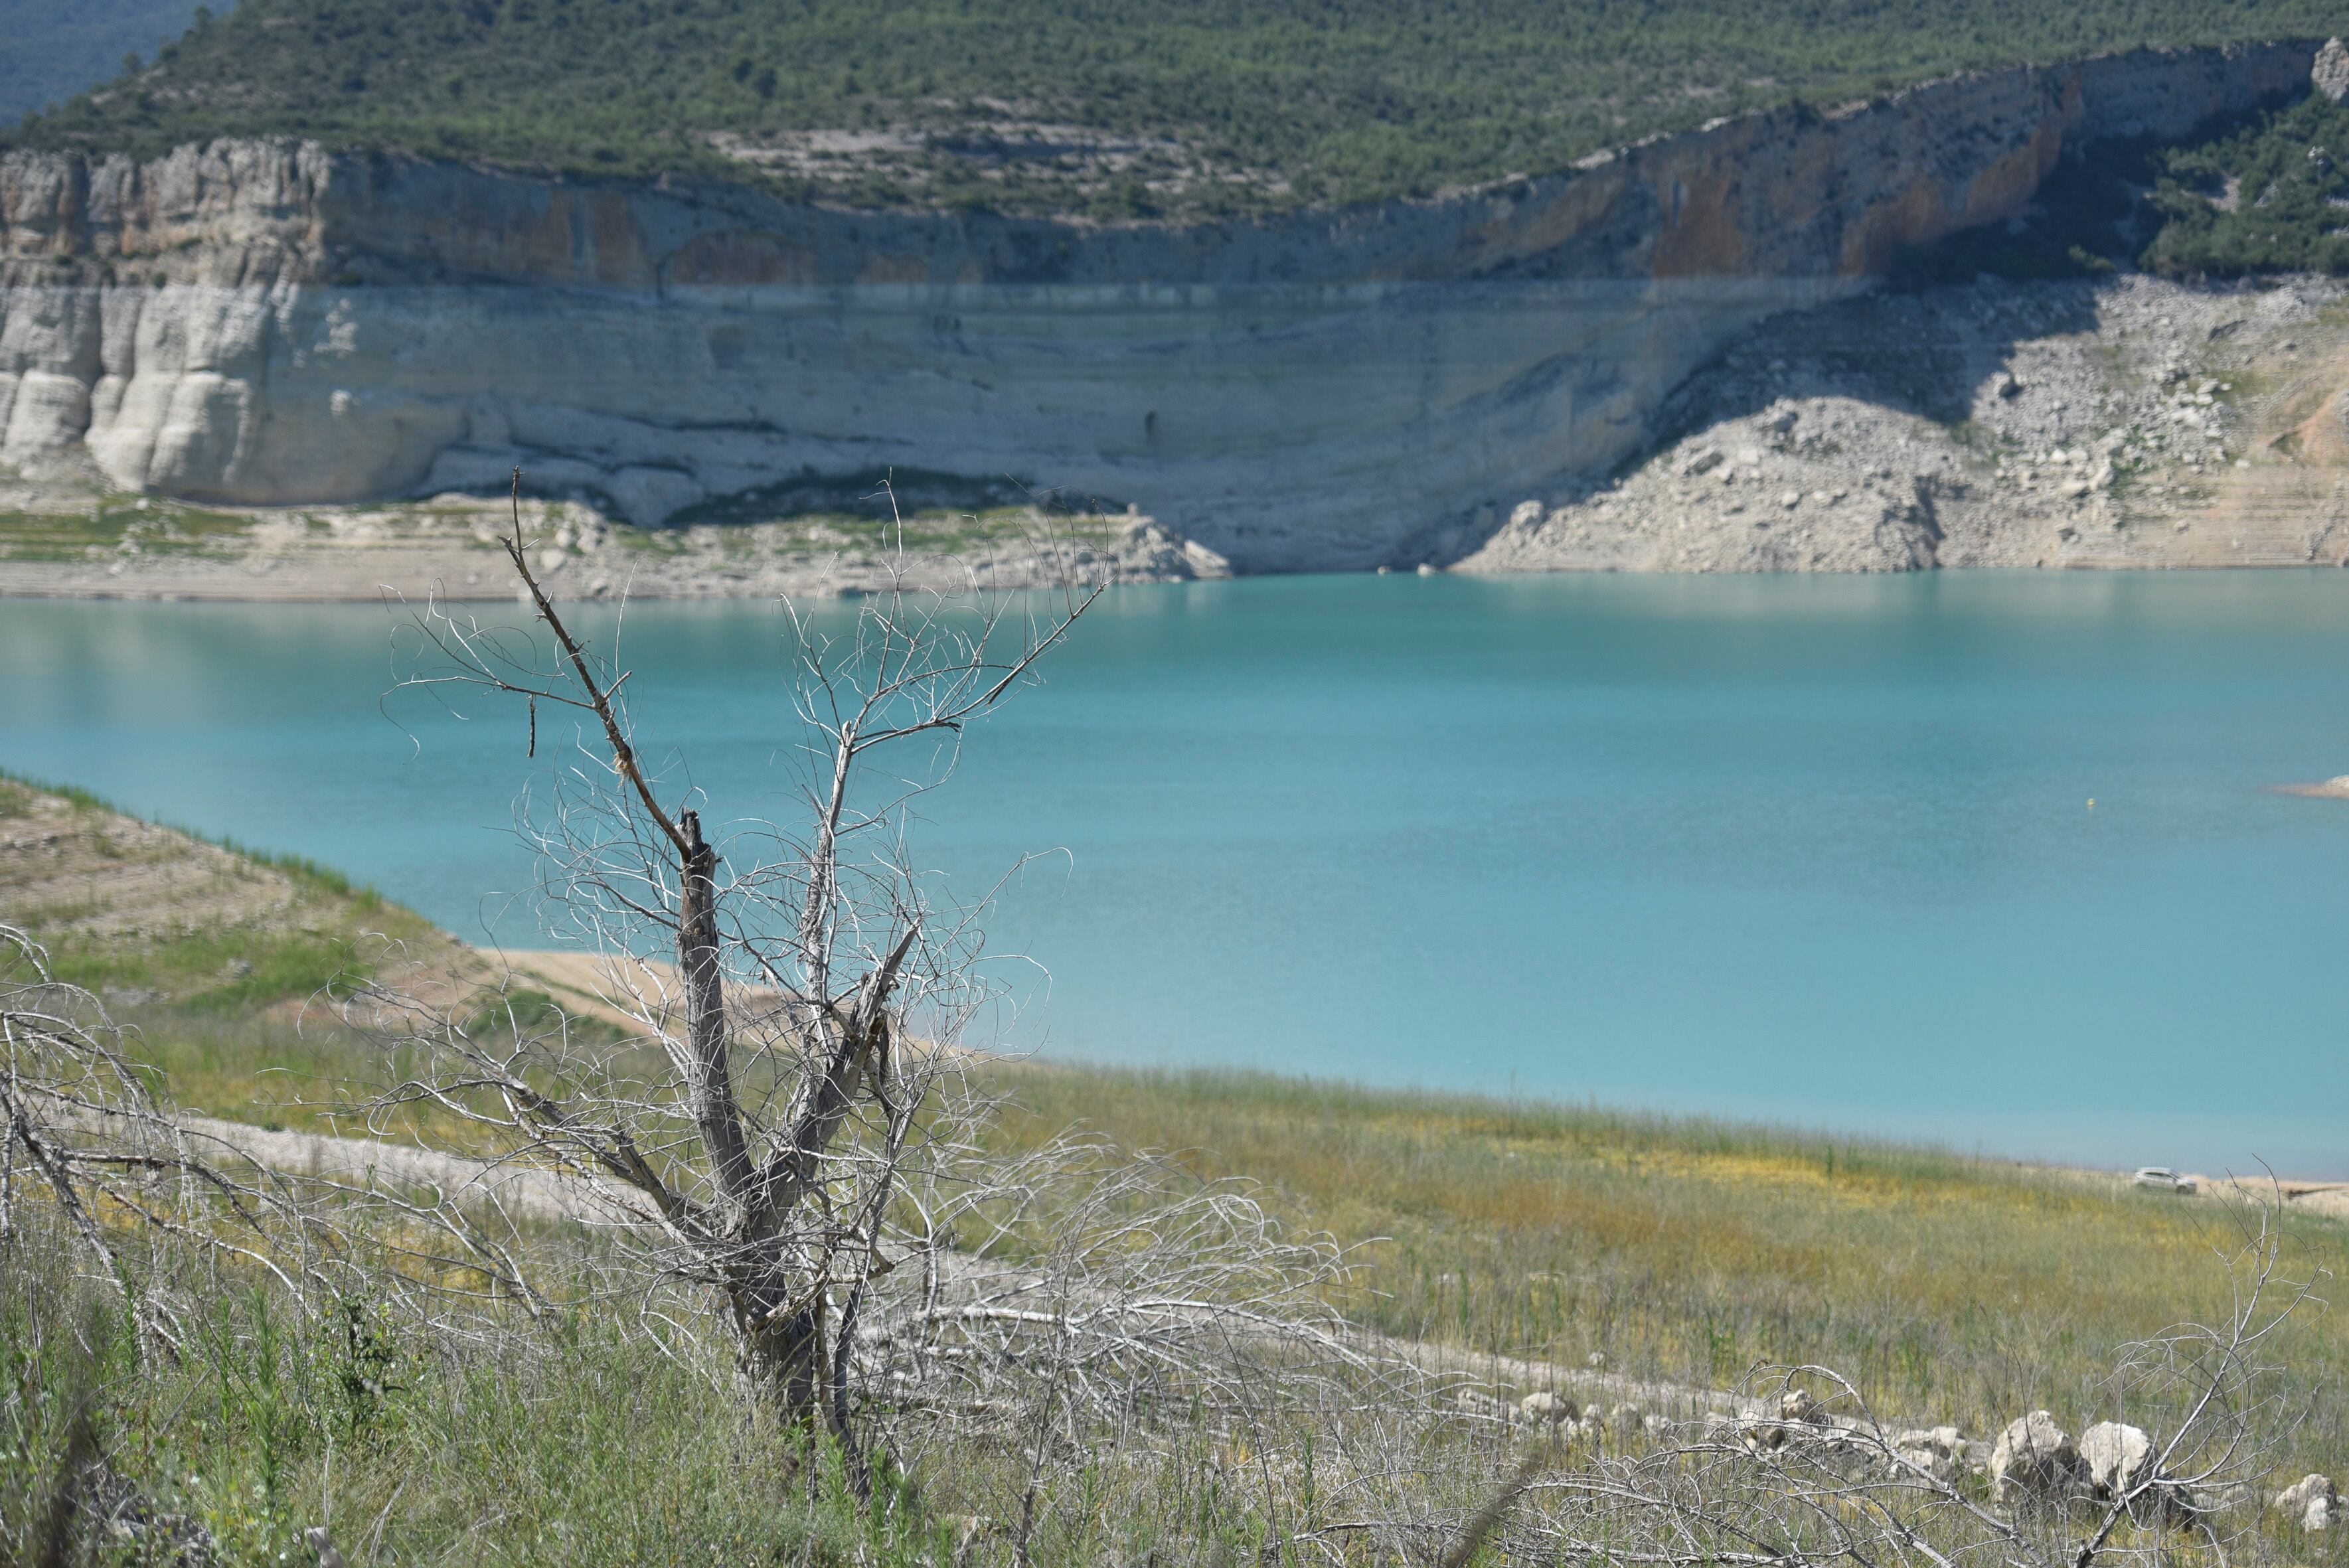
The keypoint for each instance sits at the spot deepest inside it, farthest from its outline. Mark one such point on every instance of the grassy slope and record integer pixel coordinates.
(408, 1451)
(1254, 104)
(2260, 195)
(1949, 1289)
(1952, 1289)
(214, 1000)
(2268, 198)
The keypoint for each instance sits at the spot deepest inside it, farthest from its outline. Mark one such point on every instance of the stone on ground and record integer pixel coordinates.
(2035, 1458)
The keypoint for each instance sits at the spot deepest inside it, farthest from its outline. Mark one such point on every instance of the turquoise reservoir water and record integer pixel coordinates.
(1811, 850)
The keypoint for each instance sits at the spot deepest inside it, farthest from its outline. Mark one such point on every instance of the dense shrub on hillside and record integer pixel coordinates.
(2264, 192)
(2272, 196)
(1147, 107)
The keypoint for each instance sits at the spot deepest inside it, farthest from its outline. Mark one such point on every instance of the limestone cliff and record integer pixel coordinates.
(263, 323)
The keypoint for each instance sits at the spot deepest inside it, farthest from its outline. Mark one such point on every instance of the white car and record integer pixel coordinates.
(2161, 1179)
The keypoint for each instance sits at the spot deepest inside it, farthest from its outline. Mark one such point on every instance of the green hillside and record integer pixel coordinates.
(1128, 109)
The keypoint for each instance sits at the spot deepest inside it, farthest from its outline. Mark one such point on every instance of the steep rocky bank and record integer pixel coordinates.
(2127, 423)
(257, 325)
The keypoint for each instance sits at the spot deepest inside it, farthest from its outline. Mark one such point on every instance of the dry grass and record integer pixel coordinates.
(1952, 1289)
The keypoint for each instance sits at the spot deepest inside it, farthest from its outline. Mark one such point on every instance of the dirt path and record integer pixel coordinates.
(543, 1196)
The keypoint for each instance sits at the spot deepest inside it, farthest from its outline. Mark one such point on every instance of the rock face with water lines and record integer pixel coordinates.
(278, 323)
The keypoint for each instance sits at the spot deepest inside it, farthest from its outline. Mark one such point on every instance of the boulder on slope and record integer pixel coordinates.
(1938, 1451)
(2312, 1501)
(2118, 1458)
(1551, 1409)
(2035, 1458)
(2330, 73)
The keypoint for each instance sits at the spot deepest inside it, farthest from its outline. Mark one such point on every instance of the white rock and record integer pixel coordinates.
(2119, 1457)
(2033, 1457)
(2311, 1502)
(1938, 1451)
(1555, 1410)
(2330, 73)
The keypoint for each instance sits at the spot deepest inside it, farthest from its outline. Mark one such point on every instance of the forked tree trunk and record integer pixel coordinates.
(784, 1344)
(712, 1088)
(777, 1300)
(781, 1323)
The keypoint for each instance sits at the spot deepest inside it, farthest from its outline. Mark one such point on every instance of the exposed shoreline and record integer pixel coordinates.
(452, 547)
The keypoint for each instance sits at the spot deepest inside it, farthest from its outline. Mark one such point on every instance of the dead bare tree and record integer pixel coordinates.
(85, 1131)
(91, 1146)
(752, 1135)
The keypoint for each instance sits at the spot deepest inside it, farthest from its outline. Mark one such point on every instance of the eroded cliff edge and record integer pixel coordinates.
(279, 323)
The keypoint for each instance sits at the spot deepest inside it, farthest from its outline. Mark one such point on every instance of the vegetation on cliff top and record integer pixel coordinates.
(2262, 193)
(2271, 197)
(1156, 107)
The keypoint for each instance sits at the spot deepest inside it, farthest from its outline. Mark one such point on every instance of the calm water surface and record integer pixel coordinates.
(1812, 850)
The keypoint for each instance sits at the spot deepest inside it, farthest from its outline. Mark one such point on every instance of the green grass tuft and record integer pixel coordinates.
(411, 1448)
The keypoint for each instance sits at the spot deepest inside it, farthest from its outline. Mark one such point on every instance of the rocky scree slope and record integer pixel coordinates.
(265, 324)
(2131, 422)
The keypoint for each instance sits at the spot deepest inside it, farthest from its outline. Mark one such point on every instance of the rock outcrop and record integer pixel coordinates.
(2330, 73)
(274, 324)
(1545, 1407)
